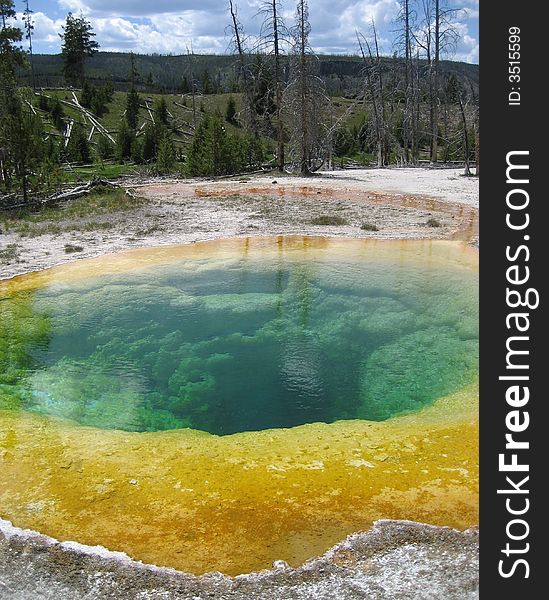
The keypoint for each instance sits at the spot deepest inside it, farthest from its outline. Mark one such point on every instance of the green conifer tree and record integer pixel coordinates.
(132, 108)
(78, 45)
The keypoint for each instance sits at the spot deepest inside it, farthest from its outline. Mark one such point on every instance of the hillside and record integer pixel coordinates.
(161, 74)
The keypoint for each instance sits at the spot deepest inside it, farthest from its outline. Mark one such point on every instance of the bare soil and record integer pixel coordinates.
(381, 204)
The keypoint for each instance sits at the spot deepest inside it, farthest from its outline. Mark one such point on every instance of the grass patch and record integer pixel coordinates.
(9, 254)
(93, 226)
(433, 223)
(369, 227)
(31, 231)
(150, 230)
(26, 229)
(52, 220)
(102, 201)
(70, 248)
(329, 220)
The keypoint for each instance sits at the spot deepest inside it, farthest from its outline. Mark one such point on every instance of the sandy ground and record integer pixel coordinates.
(396, 559)
(399, 202)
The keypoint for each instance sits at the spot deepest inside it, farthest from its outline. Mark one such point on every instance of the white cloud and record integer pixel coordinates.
(168, 26)
(468, 50)
(142, 8)
(75, 6)
(46, 29)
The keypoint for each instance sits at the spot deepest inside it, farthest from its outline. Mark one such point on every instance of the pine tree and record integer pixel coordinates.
(216, 151)
(20, 135)
(206, 83)
(99, 101)
(78, 148)
(124, 140)
(108, 90)
(11, 55)
(57, 115)
(161, 111)
(132, 108)
(104, 148)
(150, 144)
(137, 151)
(166, 160)
(29, 28)
(230, 114)
(77, 46)
(86, 95)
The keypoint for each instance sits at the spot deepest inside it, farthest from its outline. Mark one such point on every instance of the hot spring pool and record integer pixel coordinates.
(337, 377)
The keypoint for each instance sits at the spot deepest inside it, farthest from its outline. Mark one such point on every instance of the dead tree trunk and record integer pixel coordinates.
(190, 54)
(278, 96)
(465, 134)
(305, 145)
(243, 71)
(405, 39)
(273, 34)
(369, 69)
(477, 145)
(435, 84)
(306, 103)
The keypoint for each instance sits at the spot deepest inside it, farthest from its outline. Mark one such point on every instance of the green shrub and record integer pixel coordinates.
(124, 140)
(78, 148)
(217, 151)
(230, 113)
(70, 248)
(329, 220)
(165, 162)
(105, 149)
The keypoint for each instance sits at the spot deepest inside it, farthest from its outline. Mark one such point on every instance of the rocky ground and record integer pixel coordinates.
(395, 560)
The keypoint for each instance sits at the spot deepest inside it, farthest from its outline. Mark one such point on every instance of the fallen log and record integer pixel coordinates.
(79, 191)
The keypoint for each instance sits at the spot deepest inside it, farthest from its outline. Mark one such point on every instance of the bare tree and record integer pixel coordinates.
(306, 101)
(406, 22)
(273, 34)
(436, 37)
(374, 80)
(243, 74)
(190, 55)
(476, 126)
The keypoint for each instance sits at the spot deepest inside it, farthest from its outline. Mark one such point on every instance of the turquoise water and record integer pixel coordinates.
(243, 343)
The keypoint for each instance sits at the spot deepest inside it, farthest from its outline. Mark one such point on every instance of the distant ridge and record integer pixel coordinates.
(166, 73)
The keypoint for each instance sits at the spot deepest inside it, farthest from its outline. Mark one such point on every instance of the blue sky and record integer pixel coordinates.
(169, 26)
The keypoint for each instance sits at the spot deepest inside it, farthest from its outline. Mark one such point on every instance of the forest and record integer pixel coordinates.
(272, 104)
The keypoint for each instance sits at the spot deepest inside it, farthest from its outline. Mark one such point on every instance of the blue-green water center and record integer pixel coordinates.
(251, 338)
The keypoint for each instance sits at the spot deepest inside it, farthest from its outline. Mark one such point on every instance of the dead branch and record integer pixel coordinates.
(79, 191)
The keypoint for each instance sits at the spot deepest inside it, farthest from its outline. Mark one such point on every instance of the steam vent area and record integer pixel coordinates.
(222, 405)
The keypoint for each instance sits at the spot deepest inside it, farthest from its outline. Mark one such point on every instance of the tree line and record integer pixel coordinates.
(409, 110)
(402, 109)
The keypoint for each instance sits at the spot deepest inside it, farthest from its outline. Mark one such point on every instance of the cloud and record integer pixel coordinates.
(168, 26)
(46, 29)
(467, 50)
(162, 34)
(467, 45)
(142, 8)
